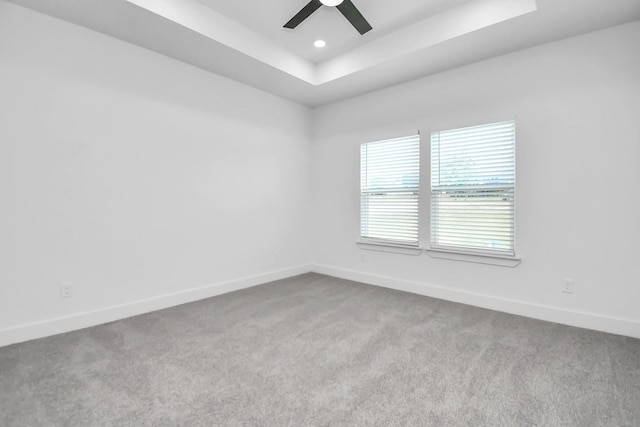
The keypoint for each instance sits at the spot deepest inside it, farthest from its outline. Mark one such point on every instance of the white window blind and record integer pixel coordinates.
(390, 181)
(472, 189)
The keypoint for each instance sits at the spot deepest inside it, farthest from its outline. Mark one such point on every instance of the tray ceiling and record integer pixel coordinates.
(244, 39)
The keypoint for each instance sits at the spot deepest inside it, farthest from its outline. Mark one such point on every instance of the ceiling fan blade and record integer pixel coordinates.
(306, 11)
(353, 15)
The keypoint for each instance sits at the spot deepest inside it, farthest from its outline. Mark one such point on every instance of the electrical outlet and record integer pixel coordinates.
(65, 290)
(567, 286)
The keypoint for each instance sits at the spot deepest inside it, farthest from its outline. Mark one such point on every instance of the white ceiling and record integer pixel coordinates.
(244, 39)
(327, 23)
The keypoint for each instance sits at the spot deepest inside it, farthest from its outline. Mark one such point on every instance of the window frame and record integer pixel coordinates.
(510, 260)
(392, 245)
(461, 253)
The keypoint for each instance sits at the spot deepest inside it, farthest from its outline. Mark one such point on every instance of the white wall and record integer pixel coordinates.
(137, 178)
(146, 182)
(577, 106)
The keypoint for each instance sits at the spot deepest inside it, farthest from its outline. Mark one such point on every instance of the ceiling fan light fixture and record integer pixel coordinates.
(331, 2)
(319, 43)
(347, 8)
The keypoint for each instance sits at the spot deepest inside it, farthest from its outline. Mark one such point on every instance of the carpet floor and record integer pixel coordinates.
(316, 350)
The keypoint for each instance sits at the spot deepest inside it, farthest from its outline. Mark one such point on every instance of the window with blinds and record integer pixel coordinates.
(390, 182)
(472, 189)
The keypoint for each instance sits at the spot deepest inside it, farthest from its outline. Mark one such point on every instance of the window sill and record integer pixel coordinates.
(386, 247)
(502, 261)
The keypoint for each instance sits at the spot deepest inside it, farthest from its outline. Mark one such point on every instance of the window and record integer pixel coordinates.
(390, 181)
(472, 189)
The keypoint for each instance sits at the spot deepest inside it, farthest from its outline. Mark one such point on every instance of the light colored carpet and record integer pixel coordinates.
(315, 350)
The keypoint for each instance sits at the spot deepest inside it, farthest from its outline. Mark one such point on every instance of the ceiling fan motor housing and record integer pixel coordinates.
(346, 7)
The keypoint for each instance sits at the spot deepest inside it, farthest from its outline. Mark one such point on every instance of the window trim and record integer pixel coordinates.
(383, 246)
(478, 258)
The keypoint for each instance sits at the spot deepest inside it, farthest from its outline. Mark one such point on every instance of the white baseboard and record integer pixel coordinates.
(580, 319)
(77, 321)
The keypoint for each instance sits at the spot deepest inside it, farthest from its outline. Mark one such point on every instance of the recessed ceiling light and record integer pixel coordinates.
(319, 43)
(331, 2)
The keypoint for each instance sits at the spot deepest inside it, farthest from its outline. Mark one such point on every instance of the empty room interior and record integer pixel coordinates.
(325, 212)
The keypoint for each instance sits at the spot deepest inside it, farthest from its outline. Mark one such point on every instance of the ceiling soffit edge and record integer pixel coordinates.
(419, 37)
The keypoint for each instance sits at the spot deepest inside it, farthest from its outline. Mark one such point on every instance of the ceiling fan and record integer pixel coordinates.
(346, 7)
